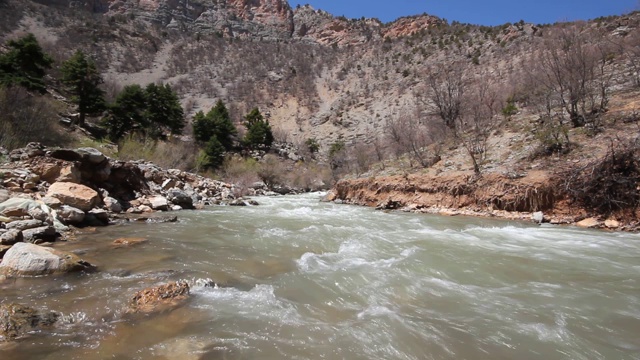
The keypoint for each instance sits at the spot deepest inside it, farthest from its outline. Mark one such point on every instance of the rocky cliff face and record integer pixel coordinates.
(259, 19)
(408, 26)
(317, 26)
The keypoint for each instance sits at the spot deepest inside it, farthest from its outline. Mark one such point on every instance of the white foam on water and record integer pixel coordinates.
(374, 311)
(258, 303)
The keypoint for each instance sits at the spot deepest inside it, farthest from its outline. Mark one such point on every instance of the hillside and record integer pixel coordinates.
(415, 96)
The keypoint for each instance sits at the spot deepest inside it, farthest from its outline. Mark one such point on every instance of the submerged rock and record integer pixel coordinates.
(129, 241)
(160, 298)
(18, 320)
(25, 259)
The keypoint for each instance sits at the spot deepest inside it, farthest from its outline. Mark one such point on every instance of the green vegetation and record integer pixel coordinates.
(82, 78)
(216, 123)
(25, 64)
(509, 109)
(163, 109)
(127, 112)
(152, 110)
(312, 145)
(216, 130)
(259, 133)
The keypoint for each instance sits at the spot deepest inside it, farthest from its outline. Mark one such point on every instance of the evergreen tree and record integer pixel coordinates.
(25, 64)
(202, 127)
(82, 78)
(163, 109)
(258, 130)
(127, 112)
(215, 153)
(216, 123)
(223, 128)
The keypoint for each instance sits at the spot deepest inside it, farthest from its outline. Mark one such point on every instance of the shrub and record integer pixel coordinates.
(312, 145)
(171, 154)
(25, 118)
(272, 170)
(509, 109)
(607, 184)
(241, 172)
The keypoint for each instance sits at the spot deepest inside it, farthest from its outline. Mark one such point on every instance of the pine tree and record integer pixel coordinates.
(215, 153)
(82, 78)
(25, 64)
(216, 123)
(163, 109)
(258, 130)
(127, 112)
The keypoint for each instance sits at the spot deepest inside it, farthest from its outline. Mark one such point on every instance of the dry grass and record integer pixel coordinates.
(26, 118)
(171, 154)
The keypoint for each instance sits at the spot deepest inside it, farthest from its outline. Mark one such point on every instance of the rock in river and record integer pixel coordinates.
(25, 259)
(160, 298)
(18, 320)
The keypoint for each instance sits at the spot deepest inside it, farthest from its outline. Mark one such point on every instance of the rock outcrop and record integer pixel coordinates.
(25, 259)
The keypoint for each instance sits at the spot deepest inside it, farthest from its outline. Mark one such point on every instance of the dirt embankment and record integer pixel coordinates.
(535, 196)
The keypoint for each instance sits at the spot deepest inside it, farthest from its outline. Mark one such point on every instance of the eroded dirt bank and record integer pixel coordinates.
(536, 196)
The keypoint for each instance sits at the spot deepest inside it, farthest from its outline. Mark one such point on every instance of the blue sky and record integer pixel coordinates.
(484, 12)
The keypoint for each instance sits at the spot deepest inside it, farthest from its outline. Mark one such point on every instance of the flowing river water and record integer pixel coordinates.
(301, 279)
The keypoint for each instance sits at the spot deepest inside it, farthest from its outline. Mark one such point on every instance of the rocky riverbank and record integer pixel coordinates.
(534, 196)
(46, 193)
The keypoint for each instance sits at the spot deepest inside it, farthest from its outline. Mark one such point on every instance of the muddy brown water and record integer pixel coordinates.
(308, 280)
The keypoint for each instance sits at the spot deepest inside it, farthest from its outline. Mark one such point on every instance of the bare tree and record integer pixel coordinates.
(572, 67)
(447, 85)
(411, 134)
(479, 119)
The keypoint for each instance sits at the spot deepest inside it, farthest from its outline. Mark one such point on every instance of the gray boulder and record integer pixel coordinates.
(112, 204)
(158, 202)
(25, 259)
(100, 214)
(17, 207)
(537, 217)
(70, 215)
(24, 224)
(4, 195)
(11, 237)
(39, 214)
(237, 202)
(40, 234)
(92, 155)
(181, 198)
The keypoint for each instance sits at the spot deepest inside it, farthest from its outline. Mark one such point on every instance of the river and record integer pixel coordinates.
(301, 279)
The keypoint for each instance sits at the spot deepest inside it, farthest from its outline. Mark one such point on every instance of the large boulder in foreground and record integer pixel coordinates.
(18, 320)
(160, 298)
(26, 259)
(75, 195)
